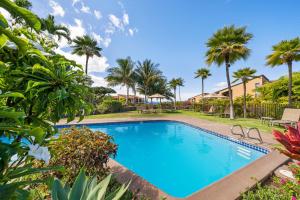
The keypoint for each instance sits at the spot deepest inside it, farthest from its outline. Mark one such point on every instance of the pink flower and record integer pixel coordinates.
(293, 198)
(282, 181)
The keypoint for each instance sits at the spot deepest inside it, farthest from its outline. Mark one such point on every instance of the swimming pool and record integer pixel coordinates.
(177, 158)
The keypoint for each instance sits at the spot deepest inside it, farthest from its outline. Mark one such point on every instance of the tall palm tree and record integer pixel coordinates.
(48, 24)
(244, 75)
(147, 72)
(228, 45)
(87, 46)
(173, 83)
(202, 73)
(123, 75)
(286, 52)
(180, 84)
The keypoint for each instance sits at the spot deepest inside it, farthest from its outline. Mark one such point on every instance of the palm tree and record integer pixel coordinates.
(180, 84)
(202, 73)
(48, 24)
(123, 75)
(286, 52)
(173, 84)
(147, 73)
(228, 45)
(244, 75)
(86, 46)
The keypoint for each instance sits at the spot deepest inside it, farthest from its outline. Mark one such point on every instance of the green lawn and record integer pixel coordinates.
(248, 122)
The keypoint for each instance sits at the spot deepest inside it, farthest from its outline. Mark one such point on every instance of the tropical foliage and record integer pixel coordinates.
(277, 91)
(86, 188)
(87, 46)
(123, 75)
(76, 148)
(150, 79)
(227, 46)
(202, 73)
(290, 140)
(38, 88)
(286, 52)
(180, 84)
(174, 83)
(244, 75)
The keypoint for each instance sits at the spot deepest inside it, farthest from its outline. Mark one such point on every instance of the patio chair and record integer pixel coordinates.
(226, 112)
(290, 117)
(212, 110)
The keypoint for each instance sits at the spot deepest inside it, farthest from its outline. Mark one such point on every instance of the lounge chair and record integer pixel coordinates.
(290, 117)
(211, 111)
(226, 112)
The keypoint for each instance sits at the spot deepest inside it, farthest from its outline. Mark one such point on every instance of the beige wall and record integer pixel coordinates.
(237, 90)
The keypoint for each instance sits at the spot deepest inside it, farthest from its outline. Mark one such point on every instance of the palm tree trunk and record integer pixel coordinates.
(134, 94)
(202, 94)
(127, 94)
(86, 64)
(179, 93)
(229, 89)
(290, 83)
(175, 98)
(244, 100)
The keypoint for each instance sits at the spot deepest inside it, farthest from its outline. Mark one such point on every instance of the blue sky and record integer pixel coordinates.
(173, 33)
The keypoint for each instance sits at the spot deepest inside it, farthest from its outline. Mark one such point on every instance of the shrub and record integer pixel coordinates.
(110, 106)
(290, 141)
(78, 148)
(86, 188)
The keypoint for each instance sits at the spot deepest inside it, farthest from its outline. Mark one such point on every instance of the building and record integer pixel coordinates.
(131, 98)
(251, 86)
(237, 89)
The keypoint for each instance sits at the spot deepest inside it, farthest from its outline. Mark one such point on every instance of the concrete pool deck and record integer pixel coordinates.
(229, 187)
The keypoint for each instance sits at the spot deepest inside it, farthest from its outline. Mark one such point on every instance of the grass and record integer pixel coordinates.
(248, 122)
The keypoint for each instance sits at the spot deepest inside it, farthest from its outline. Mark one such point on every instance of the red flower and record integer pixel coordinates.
(290, 140)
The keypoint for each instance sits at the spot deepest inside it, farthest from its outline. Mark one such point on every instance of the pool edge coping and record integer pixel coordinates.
(212, 190)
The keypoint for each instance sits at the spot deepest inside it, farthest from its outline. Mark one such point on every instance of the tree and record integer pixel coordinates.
(286, 52)
(202, 73)
(180, 84)
(123, 75)
(228, 45)
(147, 73)
(86, 46)
(174, 84)
(244, 75)
(48, 24)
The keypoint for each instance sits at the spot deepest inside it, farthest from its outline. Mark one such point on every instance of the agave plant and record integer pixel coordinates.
(290, 140)
(85, 188)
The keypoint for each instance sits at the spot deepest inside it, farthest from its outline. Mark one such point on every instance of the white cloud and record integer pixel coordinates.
(74, 2)
(132, 31)
(125, 19)
(57, 10)
(97, 14)
(76, 29)
(96, 64)
(97, 37)
(219, 86)
(98, 81)
(106, 42)
(85, 9)
(115, 21)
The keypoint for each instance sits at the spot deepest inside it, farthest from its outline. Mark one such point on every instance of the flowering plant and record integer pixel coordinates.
(290, 140)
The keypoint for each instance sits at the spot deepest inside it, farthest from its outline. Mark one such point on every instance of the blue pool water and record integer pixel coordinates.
(177, 158)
